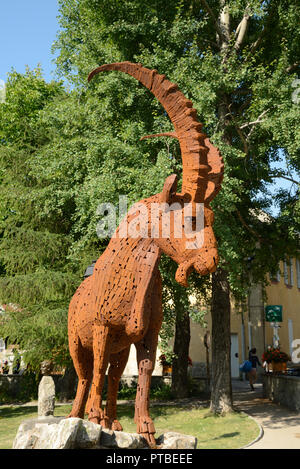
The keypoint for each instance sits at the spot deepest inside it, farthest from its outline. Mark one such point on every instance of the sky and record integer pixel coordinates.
(28, 29)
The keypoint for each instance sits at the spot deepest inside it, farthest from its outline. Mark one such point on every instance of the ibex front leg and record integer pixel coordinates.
(101, 348)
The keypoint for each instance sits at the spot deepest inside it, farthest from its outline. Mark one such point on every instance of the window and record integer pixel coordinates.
(278, 275)
(291, 272)
(298, 272)
(275, 278)
(285, 273)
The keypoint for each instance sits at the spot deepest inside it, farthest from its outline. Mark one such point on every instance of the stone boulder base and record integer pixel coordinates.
(75, 433)
(173, 440)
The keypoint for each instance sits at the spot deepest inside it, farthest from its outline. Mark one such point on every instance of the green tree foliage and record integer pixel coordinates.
(35, 273)
(240, 79)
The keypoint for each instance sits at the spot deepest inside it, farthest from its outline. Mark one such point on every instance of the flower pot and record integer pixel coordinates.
(167, 369)
(269, 367)
(279, 367)
(275, 367)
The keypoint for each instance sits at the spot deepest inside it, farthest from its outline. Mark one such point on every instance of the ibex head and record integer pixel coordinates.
(202, 174)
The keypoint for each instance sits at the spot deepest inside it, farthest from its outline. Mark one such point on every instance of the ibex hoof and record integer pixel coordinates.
(96, 416)
(147, 430)
(116, 426)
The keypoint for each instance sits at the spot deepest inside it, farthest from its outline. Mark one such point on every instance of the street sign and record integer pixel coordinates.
(274, 313)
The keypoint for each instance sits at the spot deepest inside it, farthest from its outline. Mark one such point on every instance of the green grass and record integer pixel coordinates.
(230, 432)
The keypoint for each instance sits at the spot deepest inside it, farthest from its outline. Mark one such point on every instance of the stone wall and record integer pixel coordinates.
(282, 389)
(198, 370)
(21, 388)
(11, 385)
(24, 387)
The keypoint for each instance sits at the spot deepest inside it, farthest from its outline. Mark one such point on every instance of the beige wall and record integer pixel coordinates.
(285, 293)
(131, 368)
(197, 348)
(251, 317)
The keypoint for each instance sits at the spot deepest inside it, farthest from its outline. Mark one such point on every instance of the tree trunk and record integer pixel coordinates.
(221, 391)
(180, 387)
(207, 347)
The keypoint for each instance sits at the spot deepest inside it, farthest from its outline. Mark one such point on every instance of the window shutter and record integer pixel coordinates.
(291, 272)
(298, 272)
(278, 275)
(285, 273)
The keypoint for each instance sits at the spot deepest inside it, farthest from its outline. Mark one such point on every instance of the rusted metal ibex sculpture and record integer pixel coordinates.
(120, 303)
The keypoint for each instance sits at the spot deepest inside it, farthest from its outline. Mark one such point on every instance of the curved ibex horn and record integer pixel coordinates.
(202, 165)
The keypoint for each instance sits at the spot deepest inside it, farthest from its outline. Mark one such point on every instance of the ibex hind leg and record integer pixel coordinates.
(83, 364)
(117, 364)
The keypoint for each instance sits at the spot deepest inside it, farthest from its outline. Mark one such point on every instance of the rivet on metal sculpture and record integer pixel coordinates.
(121, 302)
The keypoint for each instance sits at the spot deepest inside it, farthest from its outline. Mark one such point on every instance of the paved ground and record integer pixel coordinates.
(281, 426)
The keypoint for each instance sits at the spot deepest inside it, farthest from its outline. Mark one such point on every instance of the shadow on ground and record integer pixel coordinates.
(11, 411)
(272, 416)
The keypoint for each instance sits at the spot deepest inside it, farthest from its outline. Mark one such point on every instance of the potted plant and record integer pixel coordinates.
(166, 364)
(276, 358)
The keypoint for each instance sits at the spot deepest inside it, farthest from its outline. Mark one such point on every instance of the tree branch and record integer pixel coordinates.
(211, 43)
(273, 176)
(241, 30)
(251, 230)
(240, 133)
(256, 44)
(292, 67)
(258, 120)
(244, 105)
(211, 14)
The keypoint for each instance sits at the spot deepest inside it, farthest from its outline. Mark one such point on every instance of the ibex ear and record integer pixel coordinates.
(169, 190)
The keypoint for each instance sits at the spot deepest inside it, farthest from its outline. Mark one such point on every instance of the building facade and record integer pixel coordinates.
(250, 327)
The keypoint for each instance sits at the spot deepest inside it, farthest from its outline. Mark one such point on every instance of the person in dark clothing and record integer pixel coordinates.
(16, 368)
(5, 368)
(253, 358)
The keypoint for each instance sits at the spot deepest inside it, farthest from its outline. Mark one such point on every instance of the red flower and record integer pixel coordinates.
(275, 355)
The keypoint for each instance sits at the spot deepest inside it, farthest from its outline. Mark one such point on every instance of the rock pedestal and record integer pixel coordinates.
(46, 397)
(75, 433)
